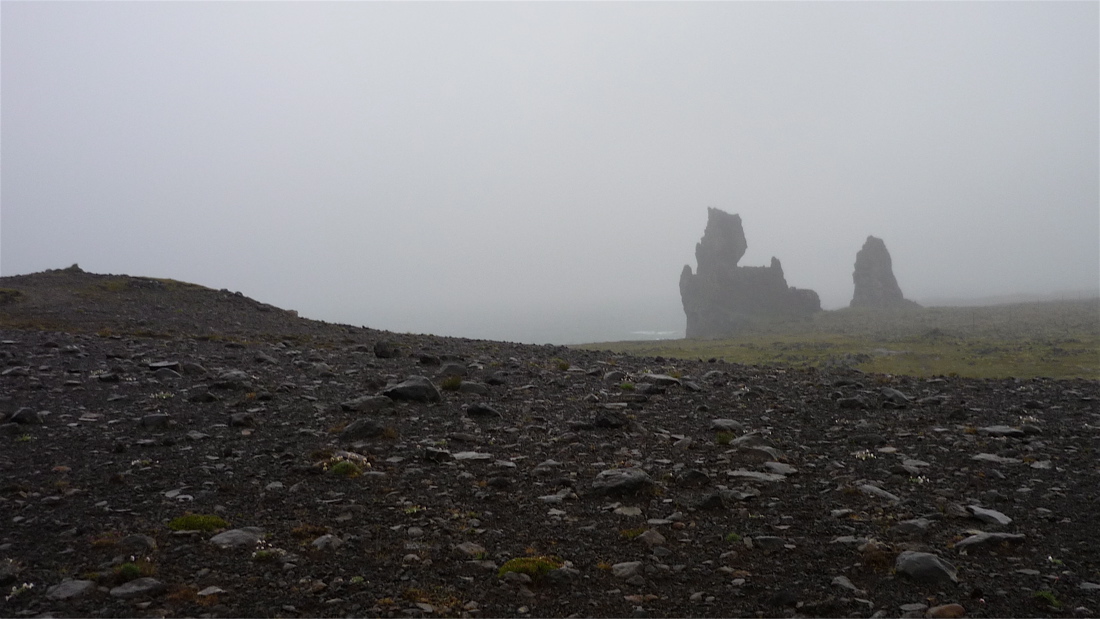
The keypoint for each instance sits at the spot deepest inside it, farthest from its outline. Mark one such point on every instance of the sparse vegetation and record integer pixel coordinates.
(724, 438)
(443, 600)
(10, 295)
(309, 530)
(131, 571)
(18, 590)
(1057, 339)
(109, 539)
(268, 555)
(451, 383)
(345, 468)
(197, 522)
(535, 567)
(1048, 598)
(732, 537)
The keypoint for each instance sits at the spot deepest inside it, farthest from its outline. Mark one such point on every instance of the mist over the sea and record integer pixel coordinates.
(541, 172)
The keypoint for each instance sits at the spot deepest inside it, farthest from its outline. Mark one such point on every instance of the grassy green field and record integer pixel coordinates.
(1057, 339)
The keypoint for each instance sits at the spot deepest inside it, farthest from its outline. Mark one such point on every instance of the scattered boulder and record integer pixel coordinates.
(990, 516)
(614, 482)
(26, 416)
(236, 538)
(361, 429)
(912, 528)
(156, 420)
(726, 425)
(474, 387)
(482, 409)
(141, 587)
(415, 389)
(925, 567)
(452, 368)
(470, 550)
(627, 570)
(327, 541)
(651, 538)
(386, 349)
(70, 588)
(987, 540)
(367, 403)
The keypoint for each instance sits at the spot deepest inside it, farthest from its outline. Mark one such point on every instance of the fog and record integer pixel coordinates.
(541, 172)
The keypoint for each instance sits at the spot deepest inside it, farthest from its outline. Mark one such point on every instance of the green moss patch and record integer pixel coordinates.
(535, 567)
(197, 522)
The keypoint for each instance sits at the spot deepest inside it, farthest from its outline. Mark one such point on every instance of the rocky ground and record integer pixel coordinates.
(330, 470)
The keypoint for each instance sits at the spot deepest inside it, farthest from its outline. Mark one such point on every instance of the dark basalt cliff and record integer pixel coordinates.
(721, 298)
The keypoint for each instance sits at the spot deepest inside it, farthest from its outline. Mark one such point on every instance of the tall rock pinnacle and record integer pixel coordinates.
(875, 284)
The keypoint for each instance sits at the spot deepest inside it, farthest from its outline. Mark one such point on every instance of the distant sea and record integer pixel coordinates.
(661, 319)
(564, 326)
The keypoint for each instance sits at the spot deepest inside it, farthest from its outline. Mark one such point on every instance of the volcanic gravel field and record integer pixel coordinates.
(172, 450)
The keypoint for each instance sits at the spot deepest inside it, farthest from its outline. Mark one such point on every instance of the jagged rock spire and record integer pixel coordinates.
(875, 284)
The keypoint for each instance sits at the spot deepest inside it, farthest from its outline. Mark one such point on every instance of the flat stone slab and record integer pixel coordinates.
(141, 587)
(756, 453)
(780, 468)
(879, 492)
(726, 425)
(622, 481)
(661, 379)
(627, 569)
(472, 455)
(925, 567)
(70, 589)
(989, 516)
(995, 458)
(367, 403)
(414, 388)
(236, 538)
(756, 475)
(844, 582)
(982, 540)
(1001, 431)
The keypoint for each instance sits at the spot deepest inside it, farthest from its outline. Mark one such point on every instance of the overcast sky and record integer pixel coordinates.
(541, 172)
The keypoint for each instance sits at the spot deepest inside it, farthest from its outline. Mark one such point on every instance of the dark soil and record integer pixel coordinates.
(126, 403)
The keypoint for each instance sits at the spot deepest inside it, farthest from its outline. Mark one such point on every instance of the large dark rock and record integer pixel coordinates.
(876, 286)
(722, 298)
(414, 388)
